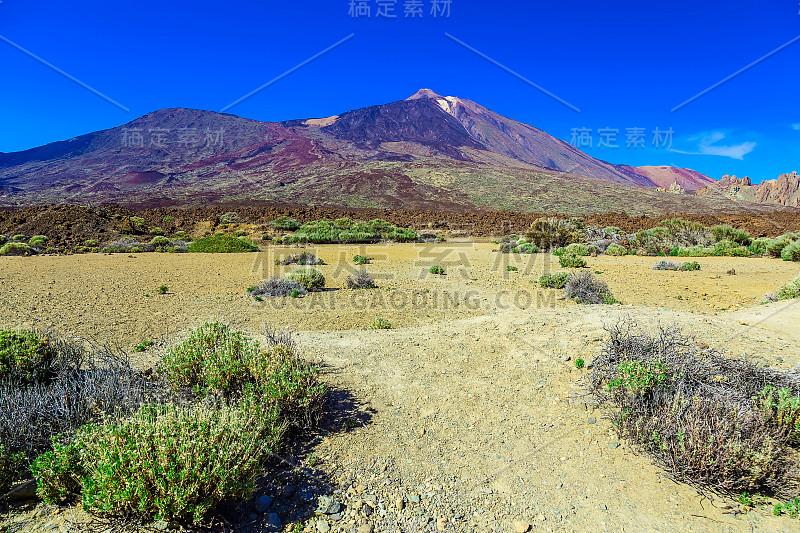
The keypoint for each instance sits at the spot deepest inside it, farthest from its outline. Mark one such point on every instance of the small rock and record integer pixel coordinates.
(603, 507)
(421, 432)
(441, 523)
(327, 505)
(413, 498)
(592, 420)
(521, 526)
(322, 526)
(366, 528)
(399, 504)
(22, 492)
(273, 521)
(614, 444)
(540, 517)
(262, 503)
(367, 510)
(161, 525)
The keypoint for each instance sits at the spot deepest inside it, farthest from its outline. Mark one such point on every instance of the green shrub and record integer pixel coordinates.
(436, 269)
(380, 323)
(181, 235)
(726, 232)
(285, 223)
(511, 268)
(91, 243)
(758, 246)
(616, 250)
(791, 252)
(229, 218)
(555, 280)
(571, 261)
(584, 288)
(303, 258)
(168, 219)
(37, 240)
(222, 244)
(15, 248)
(525, 248)
(559, 251)
(18, 238)
(159, 241)
(24, 355)
(138, 221)
(309, 277)
(3, 239)
(775, 246)
(578, 248)
(787, 292)
(156, 231)
(549, 233)
(163, 462)
(730, 249)
(11, 466)
(361, 260)
(325, 231)
(693, 265)
(791, 508)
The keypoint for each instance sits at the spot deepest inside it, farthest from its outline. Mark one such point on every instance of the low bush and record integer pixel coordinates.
(584, 288)
(380, 323)
(222, 244)
(726, 232)
(278, 287)
(156, 231)
(667, 265)
(3, 239)
(285, 223)
(791, 252)
(690, 265)
(303, 258)
(775, 246)
(16, 248)
(159, 241)
(360, 280)
(163, 462)
(436, 269)
(11, 465)
(127, 245)
(18, 238)
(730, 249)
(550, 233)
(37, 240)
(91, 243)
(361, 260)
(571, 261)
(715, 422)
(511, 268)
(616, 250)
(229, 218)
(326, 231)
(758, 246)
(525, 248)
(309, 277)
(789, 291)
(556, 280)
(578, 248)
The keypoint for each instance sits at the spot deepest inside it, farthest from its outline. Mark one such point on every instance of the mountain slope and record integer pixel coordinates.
(663, 176)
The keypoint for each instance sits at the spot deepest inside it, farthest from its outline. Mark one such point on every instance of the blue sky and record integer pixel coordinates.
(625, 65)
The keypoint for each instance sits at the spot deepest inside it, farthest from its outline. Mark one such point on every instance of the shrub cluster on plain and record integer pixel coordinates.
(171, 445)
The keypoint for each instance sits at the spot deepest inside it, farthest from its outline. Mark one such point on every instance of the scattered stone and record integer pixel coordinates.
(328, 505)
(413, 498)
(614, 444)
(521, 526)
(22, 492)
(366, 528)
(592, 420)
(273, 521)
(262, 503)
(541, 517)
(399, 504)
(322, 526)
(161, 525)
(441, 523)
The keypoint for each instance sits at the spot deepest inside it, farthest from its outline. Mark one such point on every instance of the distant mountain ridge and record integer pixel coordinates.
(414, 153)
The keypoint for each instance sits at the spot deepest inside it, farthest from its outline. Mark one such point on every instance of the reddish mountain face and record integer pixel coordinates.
(689, 179)
(415, 146)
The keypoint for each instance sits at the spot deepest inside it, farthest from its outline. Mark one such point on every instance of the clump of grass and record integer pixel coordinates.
(285, 223)
(361, 280)
(571, 261)
(511, 268)
(309, 277)
(381, 323)
(584, 288)
(162, 289)
(303, 258)
(222, 244)
(436, 269)
(16, 248)
(616, 250)
(37, 240)
(276, 286)
(556, 280)
(361, 260)
(790, 508)
(715, 422)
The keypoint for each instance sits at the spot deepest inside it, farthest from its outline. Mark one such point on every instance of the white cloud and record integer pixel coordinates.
(796, 126)
(707, 144)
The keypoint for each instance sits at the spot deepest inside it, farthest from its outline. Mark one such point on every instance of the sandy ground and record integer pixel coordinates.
(470, 406)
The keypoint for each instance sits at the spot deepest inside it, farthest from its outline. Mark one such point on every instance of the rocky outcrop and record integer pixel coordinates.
(783, 191)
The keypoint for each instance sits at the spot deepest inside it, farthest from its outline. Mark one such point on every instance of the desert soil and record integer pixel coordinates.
(468, 414)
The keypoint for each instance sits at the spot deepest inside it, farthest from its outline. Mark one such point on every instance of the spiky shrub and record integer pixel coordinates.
(787, 292)
(16, 248)
(711, 421)
(37, 240)
(556, 280)
(549, 233)
(163, 462)
(726, 232)
(277, 286)
(666, 265)
(285, 223)
(360, 280)
(584, 288)
(571, 261)
(223, 244)
(303, 258)
(616, 250)
(791, 252)
(309, 277)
